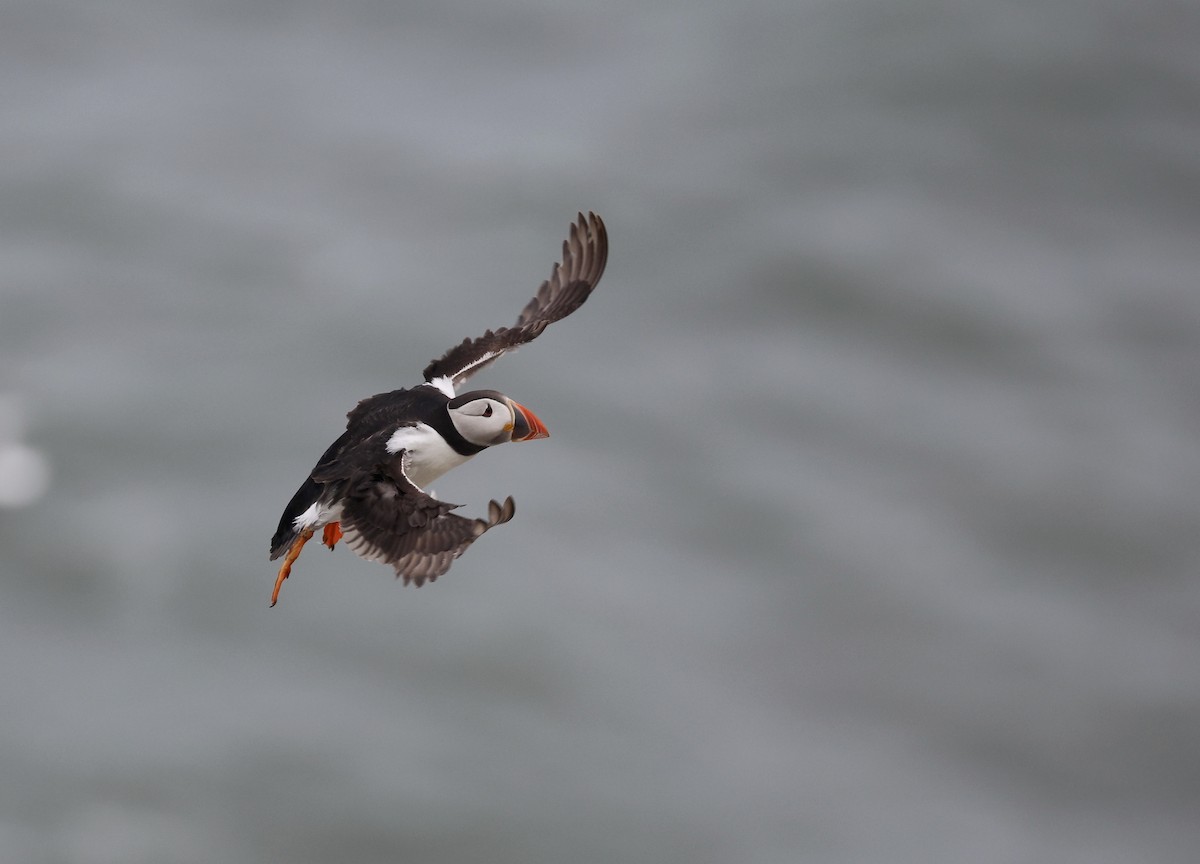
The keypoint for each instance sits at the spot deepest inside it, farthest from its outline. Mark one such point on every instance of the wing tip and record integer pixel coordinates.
(499, 513)
(591, 235)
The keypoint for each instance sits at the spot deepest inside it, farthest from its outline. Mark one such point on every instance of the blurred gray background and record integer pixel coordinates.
(870, 524)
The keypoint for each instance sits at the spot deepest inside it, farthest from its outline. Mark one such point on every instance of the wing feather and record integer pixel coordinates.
(387, 518)
(584, 254)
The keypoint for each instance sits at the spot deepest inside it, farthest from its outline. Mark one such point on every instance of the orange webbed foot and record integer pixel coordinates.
(285, 569)
(333, 533)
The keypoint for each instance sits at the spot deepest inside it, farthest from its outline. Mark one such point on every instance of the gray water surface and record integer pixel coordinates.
(869, 527)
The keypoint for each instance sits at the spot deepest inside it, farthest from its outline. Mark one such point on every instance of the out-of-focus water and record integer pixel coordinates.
(869, 530)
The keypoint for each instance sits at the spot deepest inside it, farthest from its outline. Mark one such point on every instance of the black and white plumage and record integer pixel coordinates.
(368, 488)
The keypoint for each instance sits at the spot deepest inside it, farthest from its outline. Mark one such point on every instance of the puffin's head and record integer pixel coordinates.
(486, 418)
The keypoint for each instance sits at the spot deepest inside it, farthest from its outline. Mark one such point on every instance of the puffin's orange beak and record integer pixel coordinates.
(526, 425)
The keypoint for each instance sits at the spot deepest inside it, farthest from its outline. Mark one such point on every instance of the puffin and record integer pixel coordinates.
(369, 488)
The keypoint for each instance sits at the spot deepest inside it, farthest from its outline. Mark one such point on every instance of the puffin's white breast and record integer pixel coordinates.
(427, 455)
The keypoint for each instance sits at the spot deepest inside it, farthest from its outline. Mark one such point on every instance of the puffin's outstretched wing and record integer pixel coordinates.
(585, 252)
(387, 518)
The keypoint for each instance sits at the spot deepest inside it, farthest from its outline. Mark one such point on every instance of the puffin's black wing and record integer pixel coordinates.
(386, 518)
(585, 252)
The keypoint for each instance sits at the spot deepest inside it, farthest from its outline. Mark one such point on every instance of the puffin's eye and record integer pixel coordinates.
(487, 412)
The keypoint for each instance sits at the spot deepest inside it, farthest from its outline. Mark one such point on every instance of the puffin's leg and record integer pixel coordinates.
(332, 534)
(285, 569)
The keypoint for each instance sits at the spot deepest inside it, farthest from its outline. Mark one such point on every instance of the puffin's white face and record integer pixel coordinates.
(486, 418)
(484, 421)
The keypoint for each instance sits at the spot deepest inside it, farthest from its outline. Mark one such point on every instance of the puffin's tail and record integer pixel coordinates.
(286, 533)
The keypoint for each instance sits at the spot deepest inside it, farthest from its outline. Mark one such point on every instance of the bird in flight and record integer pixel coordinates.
(368, 488)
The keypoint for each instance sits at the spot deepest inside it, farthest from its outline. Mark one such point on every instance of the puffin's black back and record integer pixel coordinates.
(422, 404)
